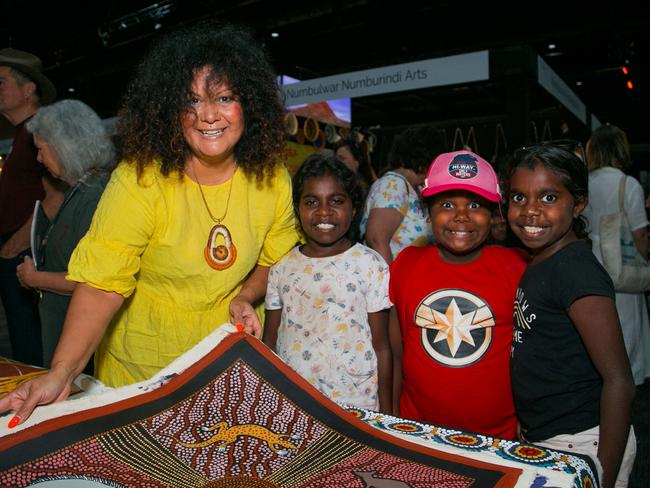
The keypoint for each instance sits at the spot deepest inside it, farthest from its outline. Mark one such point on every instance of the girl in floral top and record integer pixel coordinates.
(327, 300)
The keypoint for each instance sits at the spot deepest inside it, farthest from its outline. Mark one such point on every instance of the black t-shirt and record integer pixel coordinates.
(555, 385)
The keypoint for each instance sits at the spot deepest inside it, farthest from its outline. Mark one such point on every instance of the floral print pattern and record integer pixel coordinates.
(324, 333)
(394, 191)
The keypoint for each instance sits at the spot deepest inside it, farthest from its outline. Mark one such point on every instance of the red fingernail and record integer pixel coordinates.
(240, 327)
(15, 420)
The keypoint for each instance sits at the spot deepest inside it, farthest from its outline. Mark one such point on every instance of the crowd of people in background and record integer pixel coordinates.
(395, 290)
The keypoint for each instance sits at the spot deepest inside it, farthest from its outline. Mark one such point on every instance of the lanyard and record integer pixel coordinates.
(68, 196)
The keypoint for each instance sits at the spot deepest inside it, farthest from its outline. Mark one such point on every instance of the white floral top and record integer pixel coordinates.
(324, 333)
(394, 191)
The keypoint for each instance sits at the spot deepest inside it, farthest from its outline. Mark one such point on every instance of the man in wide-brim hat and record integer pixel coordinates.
(32, 67)
(23, 89)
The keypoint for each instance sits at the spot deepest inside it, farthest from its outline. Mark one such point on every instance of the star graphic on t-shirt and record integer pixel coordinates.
(454, 327)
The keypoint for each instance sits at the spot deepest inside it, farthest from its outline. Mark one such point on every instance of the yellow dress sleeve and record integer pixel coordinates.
(108, 256)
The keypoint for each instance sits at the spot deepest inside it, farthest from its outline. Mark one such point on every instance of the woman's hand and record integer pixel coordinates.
(241, 307)
(89, 313)
(53, 386)
(242, 312)
(26, 273)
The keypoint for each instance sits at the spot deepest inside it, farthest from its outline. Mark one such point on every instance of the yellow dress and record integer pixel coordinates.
(146, 242)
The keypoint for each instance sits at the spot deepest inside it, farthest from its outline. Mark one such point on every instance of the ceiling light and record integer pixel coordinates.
(552, 46)
(71, 90)
(275, 34)
(578, 83)
(144, 18)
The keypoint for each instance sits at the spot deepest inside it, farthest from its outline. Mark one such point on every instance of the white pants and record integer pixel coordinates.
(586, 442)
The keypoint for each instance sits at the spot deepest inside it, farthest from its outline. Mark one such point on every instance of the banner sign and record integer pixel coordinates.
(448, 70)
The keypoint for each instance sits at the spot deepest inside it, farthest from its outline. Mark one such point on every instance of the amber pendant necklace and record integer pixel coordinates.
(219, 255)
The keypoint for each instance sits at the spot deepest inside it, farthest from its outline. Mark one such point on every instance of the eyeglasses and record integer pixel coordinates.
(569, 145)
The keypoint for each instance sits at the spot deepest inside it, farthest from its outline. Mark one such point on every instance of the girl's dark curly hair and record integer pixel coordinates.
(318, 165)
(149, 126)
(568, 167)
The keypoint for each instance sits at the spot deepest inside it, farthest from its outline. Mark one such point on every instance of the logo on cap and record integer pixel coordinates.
(463, 167)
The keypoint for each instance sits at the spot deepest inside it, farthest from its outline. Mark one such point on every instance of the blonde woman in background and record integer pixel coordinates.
(608, 155)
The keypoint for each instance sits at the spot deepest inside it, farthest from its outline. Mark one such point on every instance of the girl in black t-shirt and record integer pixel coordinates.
(571, 377)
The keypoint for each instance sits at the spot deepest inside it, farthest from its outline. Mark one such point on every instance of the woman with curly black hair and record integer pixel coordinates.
(201, 132)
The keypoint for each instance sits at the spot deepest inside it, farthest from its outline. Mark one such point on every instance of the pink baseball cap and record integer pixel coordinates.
(462, 170)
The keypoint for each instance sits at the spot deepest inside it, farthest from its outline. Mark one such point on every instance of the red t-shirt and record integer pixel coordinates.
(456, 323)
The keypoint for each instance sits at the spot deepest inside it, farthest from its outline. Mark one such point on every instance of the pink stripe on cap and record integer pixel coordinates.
(462, 170)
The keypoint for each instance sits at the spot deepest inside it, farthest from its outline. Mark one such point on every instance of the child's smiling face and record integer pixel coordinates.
(326, 212)
(460, 221)
(542, 210)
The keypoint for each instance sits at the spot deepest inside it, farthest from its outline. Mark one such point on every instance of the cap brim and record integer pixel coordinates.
(493, 197)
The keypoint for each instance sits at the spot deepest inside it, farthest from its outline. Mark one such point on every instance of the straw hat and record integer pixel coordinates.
(32, 67)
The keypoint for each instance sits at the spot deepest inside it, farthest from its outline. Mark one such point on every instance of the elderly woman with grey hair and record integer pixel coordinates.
(75, 147)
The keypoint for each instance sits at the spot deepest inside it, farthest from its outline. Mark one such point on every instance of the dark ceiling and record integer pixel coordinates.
(91, 46)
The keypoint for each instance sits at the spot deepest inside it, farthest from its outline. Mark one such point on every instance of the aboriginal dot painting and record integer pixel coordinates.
(238, 417)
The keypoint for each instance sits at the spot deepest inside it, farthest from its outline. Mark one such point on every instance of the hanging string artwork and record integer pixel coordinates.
(459, 140)
(330, 134)
(533, 128)
(300, 134)
(470, 140)
(546, 131)
(500, 146)
(465, 142)
(290, 123)
(320, 141)
(311, 129)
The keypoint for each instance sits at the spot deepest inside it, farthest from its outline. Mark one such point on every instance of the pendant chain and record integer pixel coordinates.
(205, 202)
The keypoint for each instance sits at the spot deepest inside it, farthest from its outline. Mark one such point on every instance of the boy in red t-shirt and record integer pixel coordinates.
(453, 318)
